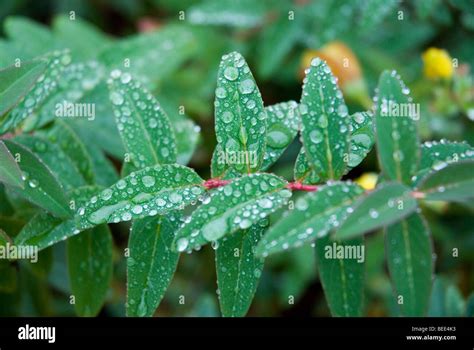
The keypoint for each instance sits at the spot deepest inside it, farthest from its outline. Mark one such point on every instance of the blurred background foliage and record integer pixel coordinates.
(175, 48)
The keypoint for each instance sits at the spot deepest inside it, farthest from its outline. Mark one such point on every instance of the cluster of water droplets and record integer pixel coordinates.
(236, 206)
(142, 123)
(148, 192)
(304, 171)
(314, 215)
(240, 118)
(362, 138)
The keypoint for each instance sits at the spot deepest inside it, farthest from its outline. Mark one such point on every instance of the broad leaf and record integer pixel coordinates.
(238, 270)
(147, 192)
(240, 118)
(40, 185)
(44, 86)
(10, 173)
(238, 205)
(90, 269)
(282, 126)
(409, 257)
(341, 270)
(143, 125)
(396, 132)
(454, 181)
(325, 122)
(362, 138)
(151, 264)
(15, 82)
(44, 230)
(384, 206)
(314, 215)
(55, 159)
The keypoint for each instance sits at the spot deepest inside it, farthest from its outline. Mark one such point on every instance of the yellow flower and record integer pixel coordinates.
(367, 181)
(437, 63)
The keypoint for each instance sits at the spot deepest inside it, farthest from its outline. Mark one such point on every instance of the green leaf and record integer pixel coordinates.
(167, 48)
(238, 205)
(342, 275)
(325, 123)
(147, 192)
(151, 264)
(362, 138)
(396, 130)
(454, 181)
(15, 82)
(83, 39)
(305, 172)
(434, 155)
(70, 143)
(314, 215)
(282, 126)
(384, 206)
(234, 13)
(409, 257)
(10, 172)
(41, 187)
(44, 86)
(240, 118)
(143, 125)
(238, 270)
(373, 12)
(90, 269)
(55, 159)
(104, 169)
(44, 230)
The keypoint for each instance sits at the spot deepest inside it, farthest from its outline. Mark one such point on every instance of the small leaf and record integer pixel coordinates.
(315, 214)
(151, 264)
(147, 192)
(44, 86)
(40, 185)
(409, 257)
(238, 270)
(90, 269)
(143, 125)
(362, 138)
(10, 173)
(342, 276)
(454, 181)
(55, 159)
(44, 230)
(325, 123)
(282, 126)
(396, 130)
(384, 206)
(238, 205)
(304, 172)
(15, 82)
(240, 118)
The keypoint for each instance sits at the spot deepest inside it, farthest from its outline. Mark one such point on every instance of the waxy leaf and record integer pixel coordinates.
(238, 205)
(40, 185)
(55, 159)
(384, 206)
(342, 273)
(240, 118)
(454, 181)
(44, 230)
(151, 264)
(304, 172)
(44, 86)
(143, 125)
(409, 257)
(16, 82)
(396, 132)
(238, 269)
(90, 269)
(314, 215)
(282, 126)
(147, 192)
(325, 122)
(10, 173)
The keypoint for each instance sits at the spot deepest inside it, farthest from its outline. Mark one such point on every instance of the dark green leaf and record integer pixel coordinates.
(384, 206)
(10, 173)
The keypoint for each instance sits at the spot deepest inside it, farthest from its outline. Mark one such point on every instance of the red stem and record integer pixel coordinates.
(214, 183)
(298, 186)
